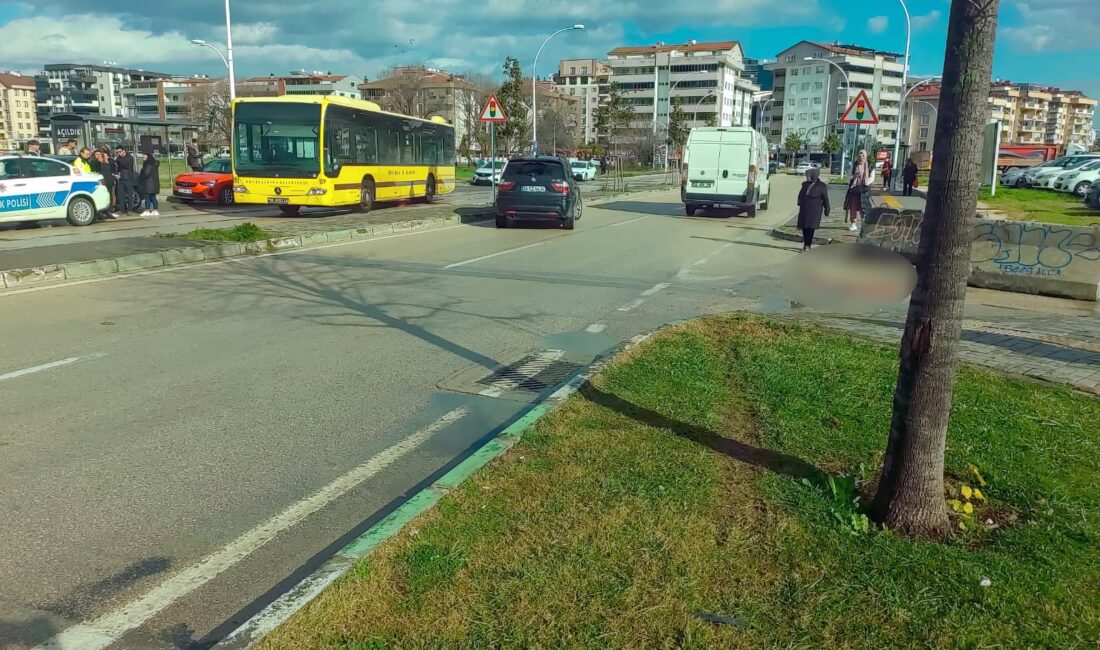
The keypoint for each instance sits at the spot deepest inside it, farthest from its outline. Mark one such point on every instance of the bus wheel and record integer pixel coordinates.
(429, 191)
(366, 196)
(290, 210)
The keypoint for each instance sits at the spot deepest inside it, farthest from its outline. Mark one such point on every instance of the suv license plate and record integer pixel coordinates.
(278, 201)
(533, 188)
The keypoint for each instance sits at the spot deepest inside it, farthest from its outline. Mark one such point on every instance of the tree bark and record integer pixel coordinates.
(910, 496)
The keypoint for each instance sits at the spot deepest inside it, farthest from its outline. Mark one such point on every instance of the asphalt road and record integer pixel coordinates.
(178, 444)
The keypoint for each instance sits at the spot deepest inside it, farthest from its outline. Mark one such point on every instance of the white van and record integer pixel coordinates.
(725, 166)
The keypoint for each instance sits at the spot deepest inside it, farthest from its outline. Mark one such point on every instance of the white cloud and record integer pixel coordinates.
(928, 19)
(1054, 25)
(878, 24)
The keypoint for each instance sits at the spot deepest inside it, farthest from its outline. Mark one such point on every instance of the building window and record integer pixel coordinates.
(922, 134)
(573, 70)
(817, 101)
(817, 116)
(794, 72)
(924, 119)
(802, 117)
(789, 58)
(818, 85)
(805, 101)
(806, 86)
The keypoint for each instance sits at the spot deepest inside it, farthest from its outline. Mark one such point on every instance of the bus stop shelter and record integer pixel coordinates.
(136, 134)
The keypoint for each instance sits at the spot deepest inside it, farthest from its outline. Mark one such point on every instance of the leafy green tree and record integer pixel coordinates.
(832, 146)
(678, 128)
(613, 116)
(712, 119)
(793, 144)
(515, 134)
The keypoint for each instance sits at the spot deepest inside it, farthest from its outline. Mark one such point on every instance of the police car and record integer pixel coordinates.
(39, 189)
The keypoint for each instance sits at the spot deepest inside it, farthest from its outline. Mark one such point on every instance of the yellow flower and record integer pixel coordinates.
(968, 509)
(978, 495)
(966, 491)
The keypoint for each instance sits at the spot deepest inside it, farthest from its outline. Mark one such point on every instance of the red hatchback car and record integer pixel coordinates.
(213, 183)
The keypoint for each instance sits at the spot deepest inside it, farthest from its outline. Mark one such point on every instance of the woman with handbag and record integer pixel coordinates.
(857, 186)
(813, 202)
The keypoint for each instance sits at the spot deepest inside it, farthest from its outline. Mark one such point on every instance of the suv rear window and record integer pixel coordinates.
(543, 171)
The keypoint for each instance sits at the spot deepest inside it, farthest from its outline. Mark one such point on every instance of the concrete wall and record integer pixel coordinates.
(1018, 256)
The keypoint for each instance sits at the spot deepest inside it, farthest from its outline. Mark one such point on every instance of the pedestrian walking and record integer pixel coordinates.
(33, 148)
(603, 166)
(68, 149)
(887, 172)
(909, 177)
(149, 184)
(194, 156)
(101, 164)
(813, 202)
(857, 186)
(127, 178)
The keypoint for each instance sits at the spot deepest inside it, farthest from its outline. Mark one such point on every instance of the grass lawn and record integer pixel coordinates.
(690, 478)
(464, 174)
(1046, 206)
(244, 232)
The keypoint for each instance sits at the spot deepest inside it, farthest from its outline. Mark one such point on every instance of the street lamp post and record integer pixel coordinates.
(695, 114)
(232, 93)
(904, 79)
(901, 108)
(535, 89)
(847, 91)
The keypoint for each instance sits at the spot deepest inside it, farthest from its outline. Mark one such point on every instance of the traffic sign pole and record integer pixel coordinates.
(493, 158)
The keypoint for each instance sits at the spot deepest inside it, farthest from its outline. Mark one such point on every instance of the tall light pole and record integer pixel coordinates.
(695, 114)
(904, 79)
(535, 89)
(760, 115)
(197, 41)
(229, 53)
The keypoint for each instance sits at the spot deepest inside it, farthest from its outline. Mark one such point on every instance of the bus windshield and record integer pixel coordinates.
(277, 140)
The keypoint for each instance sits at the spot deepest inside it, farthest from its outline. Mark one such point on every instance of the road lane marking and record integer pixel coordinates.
(686, 273)
(492, 255)
(107, 629)
(660, 286)
(632, 305)
(623, 223)
(232, 260)
(46, 366)
(891, 202)
(595, 328)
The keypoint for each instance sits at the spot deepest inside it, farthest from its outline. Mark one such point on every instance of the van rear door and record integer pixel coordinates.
(704, 150)
(733, 176)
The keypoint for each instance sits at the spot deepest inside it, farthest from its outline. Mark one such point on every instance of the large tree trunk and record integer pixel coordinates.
(910, 495)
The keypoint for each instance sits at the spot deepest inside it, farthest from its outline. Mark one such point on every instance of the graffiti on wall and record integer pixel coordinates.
(1021, 248)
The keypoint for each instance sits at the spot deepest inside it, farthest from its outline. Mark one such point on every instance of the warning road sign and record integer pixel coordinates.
(492, 111)
(860, 111)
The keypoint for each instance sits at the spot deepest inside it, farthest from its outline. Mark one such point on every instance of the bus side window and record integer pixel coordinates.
(366, 145)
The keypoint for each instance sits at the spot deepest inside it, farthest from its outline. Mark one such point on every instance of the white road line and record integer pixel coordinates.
(46, 366)
(232, 260)
(623, 223)
(632, 305)
(107, 629)
(595, 328)
(661, 286)
(686, 273)
(492, 255)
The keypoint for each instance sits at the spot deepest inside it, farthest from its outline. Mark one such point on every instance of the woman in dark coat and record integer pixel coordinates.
(149, 184)
(813, 202)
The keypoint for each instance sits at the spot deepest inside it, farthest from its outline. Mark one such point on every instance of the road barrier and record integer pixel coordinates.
(1017, 256)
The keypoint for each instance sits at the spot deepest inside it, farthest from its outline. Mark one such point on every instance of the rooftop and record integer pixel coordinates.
(12, 80)
(683, 47)
(59, 67)
(855, 50)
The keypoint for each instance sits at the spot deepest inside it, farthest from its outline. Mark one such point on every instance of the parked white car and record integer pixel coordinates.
(40, 189)
(583, 170)
(485, 174)
(1043, 176)
(1079, 180)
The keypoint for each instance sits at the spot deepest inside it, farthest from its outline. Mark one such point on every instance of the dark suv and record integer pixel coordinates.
(540, 189)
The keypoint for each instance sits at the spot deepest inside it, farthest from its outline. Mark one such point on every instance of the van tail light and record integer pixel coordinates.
(752, 175)
(506, 186)
(560, 187)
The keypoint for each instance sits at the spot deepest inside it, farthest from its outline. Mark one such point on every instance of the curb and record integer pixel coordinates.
(282, 608)
(38, 275)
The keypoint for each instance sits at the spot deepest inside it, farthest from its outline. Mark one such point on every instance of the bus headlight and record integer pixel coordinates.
(240, 189)
(316, 191)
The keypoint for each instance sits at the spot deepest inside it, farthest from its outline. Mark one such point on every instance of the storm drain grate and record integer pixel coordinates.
(535, 372)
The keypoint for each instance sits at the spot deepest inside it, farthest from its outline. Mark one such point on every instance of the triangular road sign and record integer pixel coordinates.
(860, 111)
(492, 111)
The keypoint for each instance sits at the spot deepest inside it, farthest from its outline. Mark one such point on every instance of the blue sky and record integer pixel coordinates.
(1049, 41)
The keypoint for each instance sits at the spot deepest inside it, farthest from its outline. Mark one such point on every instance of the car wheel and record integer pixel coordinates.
(690, 209)
(568, 223)
(429, 190)
(290, 210)
(767, 200)
(1082, 188)
(81, 211)
(225, 197)
(502, 222)
(1021, 183)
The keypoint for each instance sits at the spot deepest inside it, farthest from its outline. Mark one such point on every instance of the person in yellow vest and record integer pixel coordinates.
(82, 161)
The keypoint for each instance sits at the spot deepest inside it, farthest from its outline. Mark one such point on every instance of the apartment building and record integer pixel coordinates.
(757, 72)
(301, 83)
(560, 118)
(424, 92)
(810, 94)
(85, 90)
(166, 99)
(18, 111)
(708, 78)
(589, 80)
(1028, 113)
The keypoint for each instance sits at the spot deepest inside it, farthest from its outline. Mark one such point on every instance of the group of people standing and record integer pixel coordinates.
(131, 188)
(813, 198)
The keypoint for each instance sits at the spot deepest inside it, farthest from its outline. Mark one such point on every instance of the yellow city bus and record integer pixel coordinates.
(316, 151)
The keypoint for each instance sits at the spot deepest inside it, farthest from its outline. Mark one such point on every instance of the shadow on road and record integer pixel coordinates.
(642, 207)
(749, 243)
